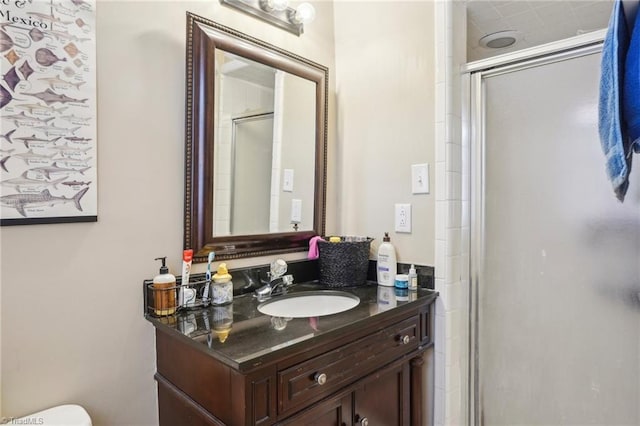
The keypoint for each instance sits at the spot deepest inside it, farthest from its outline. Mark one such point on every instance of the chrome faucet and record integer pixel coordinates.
(274, 288)
(278, 282)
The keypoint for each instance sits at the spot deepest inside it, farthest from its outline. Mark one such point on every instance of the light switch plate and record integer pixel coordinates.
(420, 178)
(287, 180)
(403, 218)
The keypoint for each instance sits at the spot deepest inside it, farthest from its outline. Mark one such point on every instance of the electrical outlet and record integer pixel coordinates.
(403, 218)
(420, 178)
(296, 210)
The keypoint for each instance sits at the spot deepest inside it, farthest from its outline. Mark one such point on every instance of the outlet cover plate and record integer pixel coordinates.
(403, 218)
(296, 210)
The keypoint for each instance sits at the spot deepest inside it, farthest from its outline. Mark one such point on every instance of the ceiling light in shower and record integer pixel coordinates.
(500, 39)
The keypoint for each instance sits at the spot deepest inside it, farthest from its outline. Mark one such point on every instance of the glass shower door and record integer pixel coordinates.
(252, 167)
(558, 290)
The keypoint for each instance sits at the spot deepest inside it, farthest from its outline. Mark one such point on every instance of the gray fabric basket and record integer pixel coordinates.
(344, 264)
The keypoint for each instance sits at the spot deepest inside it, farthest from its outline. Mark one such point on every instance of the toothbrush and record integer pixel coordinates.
(207, 276)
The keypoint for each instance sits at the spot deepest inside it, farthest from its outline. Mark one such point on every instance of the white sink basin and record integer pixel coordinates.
(309, 304)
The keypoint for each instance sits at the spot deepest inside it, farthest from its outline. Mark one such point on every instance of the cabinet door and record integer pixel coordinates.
(333, 412)
(383, 398)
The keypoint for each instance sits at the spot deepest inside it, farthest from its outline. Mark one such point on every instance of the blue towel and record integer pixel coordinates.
(631, 92)
(613, 131)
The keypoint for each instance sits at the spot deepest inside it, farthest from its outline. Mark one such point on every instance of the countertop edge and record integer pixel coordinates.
(385, 318)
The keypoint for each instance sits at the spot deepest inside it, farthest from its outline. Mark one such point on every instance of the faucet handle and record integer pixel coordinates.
(278, 269)
(287, 280)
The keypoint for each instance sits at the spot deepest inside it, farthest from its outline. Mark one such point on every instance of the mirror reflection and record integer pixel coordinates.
(264, 152)
(256, 145)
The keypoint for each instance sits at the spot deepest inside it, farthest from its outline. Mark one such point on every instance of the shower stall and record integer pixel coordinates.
(555, 258)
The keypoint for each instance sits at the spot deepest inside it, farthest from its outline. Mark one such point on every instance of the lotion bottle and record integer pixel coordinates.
(386, 262)
(164, 291)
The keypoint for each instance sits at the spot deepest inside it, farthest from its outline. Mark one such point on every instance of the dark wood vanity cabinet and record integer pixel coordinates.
(382, 398)
(369, 376)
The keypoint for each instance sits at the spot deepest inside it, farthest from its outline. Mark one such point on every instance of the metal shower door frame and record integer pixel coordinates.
(473, 113)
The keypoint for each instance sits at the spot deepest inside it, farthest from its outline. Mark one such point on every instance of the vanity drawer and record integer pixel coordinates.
(316, 378)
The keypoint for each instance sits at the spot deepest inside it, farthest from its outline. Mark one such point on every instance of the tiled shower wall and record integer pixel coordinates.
(278, 101)
(452, 220)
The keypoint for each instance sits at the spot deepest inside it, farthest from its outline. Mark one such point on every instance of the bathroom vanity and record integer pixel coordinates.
(235, 366)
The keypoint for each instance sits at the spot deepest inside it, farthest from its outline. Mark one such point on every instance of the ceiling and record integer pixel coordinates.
(247, 70)
(536, 22)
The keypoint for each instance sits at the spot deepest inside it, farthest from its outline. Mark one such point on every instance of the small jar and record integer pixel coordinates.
(402, 294)
(402, 281)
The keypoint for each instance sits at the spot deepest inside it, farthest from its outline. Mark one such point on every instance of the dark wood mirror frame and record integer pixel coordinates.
(203, 38)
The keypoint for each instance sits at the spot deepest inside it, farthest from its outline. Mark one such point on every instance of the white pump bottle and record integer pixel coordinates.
(387, 263)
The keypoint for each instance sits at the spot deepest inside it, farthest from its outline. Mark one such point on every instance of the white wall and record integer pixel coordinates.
(385, 110)
(71, 316)
(298, 111)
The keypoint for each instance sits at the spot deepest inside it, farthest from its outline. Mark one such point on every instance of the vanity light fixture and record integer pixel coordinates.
(277, 12)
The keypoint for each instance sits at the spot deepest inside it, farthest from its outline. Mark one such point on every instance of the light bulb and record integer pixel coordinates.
(279, 4)
(271, 5)
(305, 13)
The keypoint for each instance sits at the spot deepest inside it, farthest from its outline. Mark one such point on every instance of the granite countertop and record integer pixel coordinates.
(243, 338)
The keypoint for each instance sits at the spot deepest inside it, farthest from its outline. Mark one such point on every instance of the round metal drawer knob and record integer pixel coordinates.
(321, 378)
(405, 340)
(364, 421)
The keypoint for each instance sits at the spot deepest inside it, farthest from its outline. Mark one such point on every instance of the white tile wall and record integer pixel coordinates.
(451, 352)
(441, 180)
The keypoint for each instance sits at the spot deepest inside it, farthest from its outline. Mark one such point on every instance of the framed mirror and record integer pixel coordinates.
(256, 145)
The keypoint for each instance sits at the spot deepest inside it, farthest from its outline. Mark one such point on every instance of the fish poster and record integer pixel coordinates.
(48, 112)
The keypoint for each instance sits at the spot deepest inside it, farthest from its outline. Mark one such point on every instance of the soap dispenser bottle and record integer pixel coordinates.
(222, 286)
(164, 291)
(387, 263)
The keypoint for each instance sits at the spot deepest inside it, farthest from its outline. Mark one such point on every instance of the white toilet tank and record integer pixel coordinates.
(62, 415)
